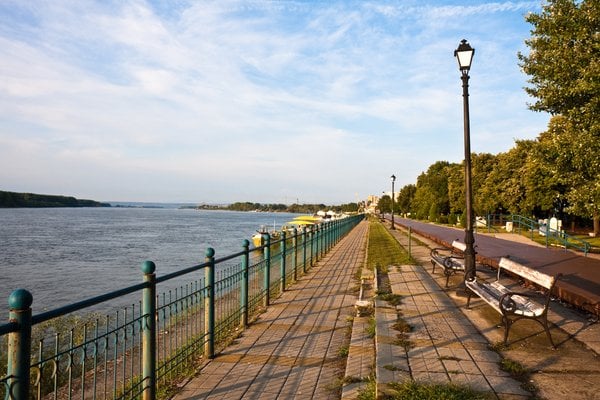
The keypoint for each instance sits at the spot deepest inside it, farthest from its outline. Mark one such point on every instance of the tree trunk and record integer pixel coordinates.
(596, 218)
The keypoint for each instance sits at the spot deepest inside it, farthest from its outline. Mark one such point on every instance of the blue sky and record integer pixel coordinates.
(267, 101)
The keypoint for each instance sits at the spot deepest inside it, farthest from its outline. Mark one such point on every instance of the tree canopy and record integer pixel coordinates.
(564, 76)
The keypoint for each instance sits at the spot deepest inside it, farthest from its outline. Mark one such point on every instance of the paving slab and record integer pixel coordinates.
(443, 345)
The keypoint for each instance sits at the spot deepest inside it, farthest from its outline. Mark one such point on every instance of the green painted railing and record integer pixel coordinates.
(143, 350)
(552, 236)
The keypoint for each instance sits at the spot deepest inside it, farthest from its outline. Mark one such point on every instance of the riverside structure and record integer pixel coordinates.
(147, 347)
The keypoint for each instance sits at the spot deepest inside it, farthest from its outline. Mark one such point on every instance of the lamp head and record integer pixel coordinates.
(393, 178)
(464, 55)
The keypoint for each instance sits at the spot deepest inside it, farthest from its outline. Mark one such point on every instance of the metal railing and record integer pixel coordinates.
(552, 236)
(143, 350)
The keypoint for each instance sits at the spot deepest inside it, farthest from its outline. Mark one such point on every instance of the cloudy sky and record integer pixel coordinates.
(267, 101)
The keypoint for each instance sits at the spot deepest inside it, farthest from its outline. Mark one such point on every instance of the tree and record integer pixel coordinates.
(405, 198)
(564, 69)
(385, 204)
(431, 196)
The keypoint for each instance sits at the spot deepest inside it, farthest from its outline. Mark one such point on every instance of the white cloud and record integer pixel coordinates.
(316, 95)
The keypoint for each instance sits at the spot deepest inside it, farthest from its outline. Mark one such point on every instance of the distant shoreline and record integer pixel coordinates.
(32, 200)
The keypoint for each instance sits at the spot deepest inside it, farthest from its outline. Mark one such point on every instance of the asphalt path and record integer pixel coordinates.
(580, 281)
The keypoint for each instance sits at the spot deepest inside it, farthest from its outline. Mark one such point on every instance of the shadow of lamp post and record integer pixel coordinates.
(464, 55)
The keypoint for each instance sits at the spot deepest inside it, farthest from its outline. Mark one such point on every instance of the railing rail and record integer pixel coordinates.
(551, 235)
(141, 350)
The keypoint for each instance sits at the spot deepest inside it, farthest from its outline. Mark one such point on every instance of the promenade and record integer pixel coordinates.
(293, 350)
(297, 349)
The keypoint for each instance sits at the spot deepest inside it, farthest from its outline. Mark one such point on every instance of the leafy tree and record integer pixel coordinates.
(349, 207)
(431, 194)
(405, 198)
(564, 69)
(385, 204)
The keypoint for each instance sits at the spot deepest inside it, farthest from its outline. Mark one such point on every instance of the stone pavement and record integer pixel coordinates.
(293, 351)
(443, 345)
(571, 371)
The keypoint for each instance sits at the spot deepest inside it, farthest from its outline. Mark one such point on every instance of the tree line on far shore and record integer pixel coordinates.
(292, 208)
(15, 200)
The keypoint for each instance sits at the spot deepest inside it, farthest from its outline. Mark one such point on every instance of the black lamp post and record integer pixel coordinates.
(464, 55)
(393, 180)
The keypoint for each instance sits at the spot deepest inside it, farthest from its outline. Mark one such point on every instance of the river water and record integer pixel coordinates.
(63, 255)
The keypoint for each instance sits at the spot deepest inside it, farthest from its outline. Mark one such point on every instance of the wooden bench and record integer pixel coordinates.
(514, 306)
(451, 260)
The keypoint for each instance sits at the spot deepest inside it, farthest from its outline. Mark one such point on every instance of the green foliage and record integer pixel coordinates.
(432, 191)
(383, 249)
(369, 391)
(293, 208)
(514, 368)
(12, 200)
(393, 299)
(563, 67)
(563, 63)
(404, 200)
(385, 204)
(371, 329)
(343, 351)
(411, 390)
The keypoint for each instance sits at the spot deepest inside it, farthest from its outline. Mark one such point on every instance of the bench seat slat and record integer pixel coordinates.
(492, 292)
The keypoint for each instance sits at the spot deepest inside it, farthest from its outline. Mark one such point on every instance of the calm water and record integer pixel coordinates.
(62, 255)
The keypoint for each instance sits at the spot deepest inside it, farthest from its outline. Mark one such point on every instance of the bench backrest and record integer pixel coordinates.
(459, 245)
(529, 274)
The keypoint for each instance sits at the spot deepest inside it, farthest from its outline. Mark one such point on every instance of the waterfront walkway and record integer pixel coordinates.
(293, 350)
(297, 349)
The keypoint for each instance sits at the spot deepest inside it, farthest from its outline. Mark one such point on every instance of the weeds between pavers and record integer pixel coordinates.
(385, 250)
(368, 392)
(371, 328)
(410, 390)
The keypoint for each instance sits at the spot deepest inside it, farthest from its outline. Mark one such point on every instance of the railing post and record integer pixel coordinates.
(304, 249)
(322, 239)
(312, 239)
(245, 279)
(295, 256)
(209, 304)
(317, 240)
(149, 331)
(282, 263)
(19, 345)
(267, 275)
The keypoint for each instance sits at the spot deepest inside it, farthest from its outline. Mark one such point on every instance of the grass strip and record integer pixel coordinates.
(383, 249)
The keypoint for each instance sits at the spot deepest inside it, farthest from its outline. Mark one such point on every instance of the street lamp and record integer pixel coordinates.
(393, 180)
(464, 55)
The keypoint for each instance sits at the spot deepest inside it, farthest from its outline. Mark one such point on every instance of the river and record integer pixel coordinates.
(63, 255)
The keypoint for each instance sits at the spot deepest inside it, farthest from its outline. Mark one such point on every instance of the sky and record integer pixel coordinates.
(262, 101)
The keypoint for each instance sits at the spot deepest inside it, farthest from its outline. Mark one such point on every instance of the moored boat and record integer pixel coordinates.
(258, 239)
